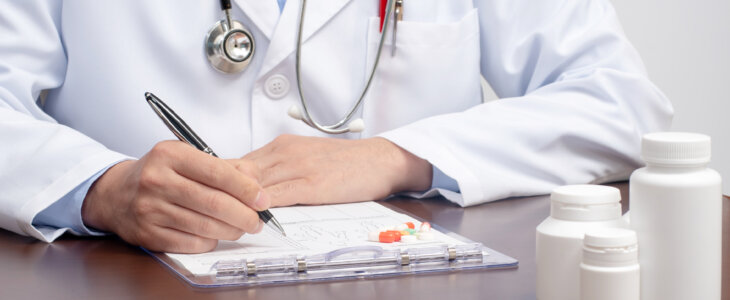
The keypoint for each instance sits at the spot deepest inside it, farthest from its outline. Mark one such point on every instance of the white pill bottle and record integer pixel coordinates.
(676, 211)
(610, 268)
(574, 209)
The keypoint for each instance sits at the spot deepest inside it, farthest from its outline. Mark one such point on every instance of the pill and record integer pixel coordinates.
(401, 227)
(408, 239)
(425, 236)
(396, 233)
(386, 237)
(374, 236)
(410, 225)
(425, 227)
(411, 231)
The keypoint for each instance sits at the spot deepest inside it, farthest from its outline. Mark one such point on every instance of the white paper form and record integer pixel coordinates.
(310, 230)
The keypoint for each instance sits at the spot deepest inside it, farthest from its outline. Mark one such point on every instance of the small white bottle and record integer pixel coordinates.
(610, 267)
(676, 211)
(574, 209)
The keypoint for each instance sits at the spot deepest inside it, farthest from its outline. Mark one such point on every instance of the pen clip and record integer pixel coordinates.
(176, 124)
(398, 16)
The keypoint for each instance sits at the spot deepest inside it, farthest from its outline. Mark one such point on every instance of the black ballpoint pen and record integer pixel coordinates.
(186, 134)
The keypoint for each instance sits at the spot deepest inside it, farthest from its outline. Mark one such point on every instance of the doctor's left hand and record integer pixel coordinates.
(313, 170)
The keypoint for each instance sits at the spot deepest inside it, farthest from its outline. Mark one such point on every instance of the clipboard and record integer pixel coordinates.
(360, 261)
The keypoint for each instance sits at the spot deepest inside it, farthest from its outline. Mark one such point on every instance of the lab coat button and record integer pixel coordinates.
(276, 86)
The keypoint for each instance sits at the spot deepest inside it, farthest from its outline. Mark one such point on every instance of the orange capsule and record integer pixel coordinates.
(396, 233)
(387, 237)
(411, 225)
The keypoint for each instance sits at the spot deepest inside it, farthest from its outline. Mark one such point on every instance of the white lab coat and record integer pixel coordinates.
(575, 97)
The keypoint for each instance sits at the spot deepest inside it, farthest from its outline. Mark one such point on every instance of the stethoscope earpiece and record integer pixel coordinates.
(357, 125)
(295, 112)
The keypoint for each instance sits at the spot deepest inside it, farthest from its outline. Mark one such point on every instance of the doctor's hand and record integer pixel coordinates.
(176, 199)
(312, 170)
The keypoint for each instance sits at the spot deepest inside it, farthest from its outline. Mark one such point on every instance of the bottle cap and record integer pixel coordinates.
(610, 238)
(610, 247)
(675, 148)
(585, 194)
(585, 202)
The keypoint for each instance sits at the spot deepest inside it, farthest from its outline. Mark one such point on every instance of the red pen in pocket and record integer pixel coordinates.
(383, 6)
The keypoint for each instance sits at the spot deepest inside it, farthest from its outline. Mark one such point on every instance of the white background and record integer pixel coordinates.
(686, 48)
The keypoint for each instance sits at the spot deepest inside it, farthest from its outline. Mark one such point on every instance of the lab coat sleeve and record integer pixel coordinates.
(575, 101)
(66, 212)
(40, 159)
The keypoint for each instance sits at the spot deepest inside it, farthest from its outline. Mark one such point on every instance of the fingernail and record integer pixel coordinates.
(262, 201)
(259, 227)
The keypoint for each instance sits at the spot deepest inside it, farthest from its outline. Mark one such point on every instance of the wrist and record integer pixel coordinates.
(408, 172)
(97, 203)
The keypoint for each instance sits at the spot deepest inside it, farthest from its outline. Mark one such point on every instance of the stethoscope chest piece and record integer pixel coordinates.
(229, 50)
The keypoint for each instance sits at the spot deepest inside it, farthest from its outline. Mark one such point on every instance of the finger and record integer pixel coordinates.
(292, 192)
(185, 220)
(170, 240)
(302, 191)
(283, 171)
(268, 160)
(213, 203)
(218, 174)
(246, 167)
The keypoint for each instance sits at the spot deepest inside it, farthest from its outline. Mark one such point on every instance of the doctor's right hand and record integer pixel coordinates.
(177, 199)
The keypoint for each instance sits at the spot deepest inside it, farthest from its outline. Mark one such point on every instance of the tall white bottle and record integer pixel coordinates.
(676, 211)
(610, 268)
(574, 209)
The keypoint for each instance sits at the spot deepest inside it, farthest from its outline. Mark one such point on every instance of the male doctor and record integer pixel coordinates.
(81, 151)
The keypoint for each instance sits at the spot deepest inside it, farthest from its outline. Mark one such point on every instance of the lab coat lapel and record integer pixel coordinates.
(263, 13)
(284, 40)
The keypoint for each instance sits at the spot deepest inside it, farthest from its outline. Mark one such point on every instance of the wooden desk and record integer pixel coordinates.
(101, 268)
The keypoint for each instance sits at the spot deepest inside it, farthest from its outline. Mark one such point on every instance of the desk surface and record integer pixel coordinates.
(96, 268)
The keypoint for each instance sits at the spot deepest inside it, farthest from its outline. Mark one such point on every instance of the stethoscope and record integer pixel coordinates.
(230, 47)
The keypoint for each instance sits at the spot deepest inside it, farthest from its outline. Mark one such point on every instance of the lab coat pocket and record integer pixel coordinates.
(434, 70)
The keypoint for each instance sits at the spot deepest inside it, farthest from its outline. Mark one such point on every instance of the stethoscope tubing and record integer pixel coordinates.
(337, 127)
(226, 63)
